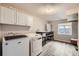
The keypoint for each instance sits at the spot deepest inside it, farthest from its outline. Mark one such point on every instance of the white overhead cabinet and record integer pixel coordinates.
(7, 15)
(24, 19)
(11, 16)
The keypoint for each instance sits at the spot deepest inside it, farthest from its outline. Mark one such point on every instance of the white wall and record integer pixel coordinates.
(38, 25)
(64, 37)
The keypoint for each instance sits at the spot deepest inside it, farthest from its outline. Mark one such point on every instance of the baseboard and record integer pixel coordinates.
(63, 41)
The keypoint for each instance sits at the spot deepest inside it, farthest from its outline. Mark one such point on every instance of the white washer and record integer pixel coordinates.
(15, 45)
(35, 44)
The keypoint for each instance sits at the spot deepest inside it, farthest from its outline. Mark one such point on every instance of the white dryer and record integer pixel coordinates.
(35, 44)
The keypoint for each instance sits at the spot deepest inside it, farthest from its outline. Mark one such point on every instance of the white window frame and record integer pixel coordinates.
(64, 25)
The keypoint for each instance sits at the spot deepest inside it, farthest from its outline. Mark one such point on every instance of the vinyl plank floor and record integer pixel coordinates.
(54, 48)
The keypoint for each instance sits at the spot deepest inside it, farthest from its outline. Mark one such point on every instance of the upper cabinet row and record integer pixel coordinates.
(12, 16)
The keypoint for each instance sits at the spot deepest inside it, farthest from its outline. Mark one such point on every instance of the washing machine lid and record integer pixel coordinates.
(33, 35)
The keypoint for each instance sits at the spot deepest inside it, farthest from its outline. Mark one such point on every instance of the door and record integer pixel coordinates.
(16, 47)
(8, 15)
(49, 27)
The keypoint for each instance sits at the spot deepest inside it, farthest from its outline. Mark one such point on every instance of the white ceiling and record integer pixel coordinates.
(47, 11)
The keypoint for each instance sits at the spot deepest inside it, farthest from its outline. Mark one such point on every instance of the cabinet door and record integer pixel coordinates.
(30, 21)
(16, 47)
(20, 18)
(8, 15)
(25, 19)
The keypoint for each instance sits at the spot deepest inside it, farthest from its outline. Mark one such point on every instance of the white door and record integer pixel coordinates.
(48, 27)
(8, 15)
(16, 47)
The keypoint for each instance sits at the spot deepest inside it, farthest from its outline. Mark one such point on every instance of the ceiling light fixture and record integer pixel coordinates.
(47, 10)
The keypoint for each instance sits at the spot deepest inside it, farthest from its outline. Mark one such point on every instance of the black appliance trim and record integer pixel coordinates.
(14, 37)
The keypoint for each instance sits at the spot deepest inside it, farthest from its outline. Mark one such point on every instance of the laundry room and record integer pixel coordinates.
(43, 29)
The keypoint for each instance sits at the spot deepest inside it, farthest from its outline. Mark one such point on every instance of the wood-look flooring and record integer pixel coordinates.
(54, 48)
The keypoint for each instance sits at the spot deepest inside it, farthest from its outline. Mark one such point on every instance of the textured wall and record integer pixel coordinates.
(65, 37)
(38, 25)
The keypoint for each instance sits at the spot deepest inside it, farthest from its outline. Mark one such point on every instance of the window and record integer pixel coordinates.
(65, 28)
